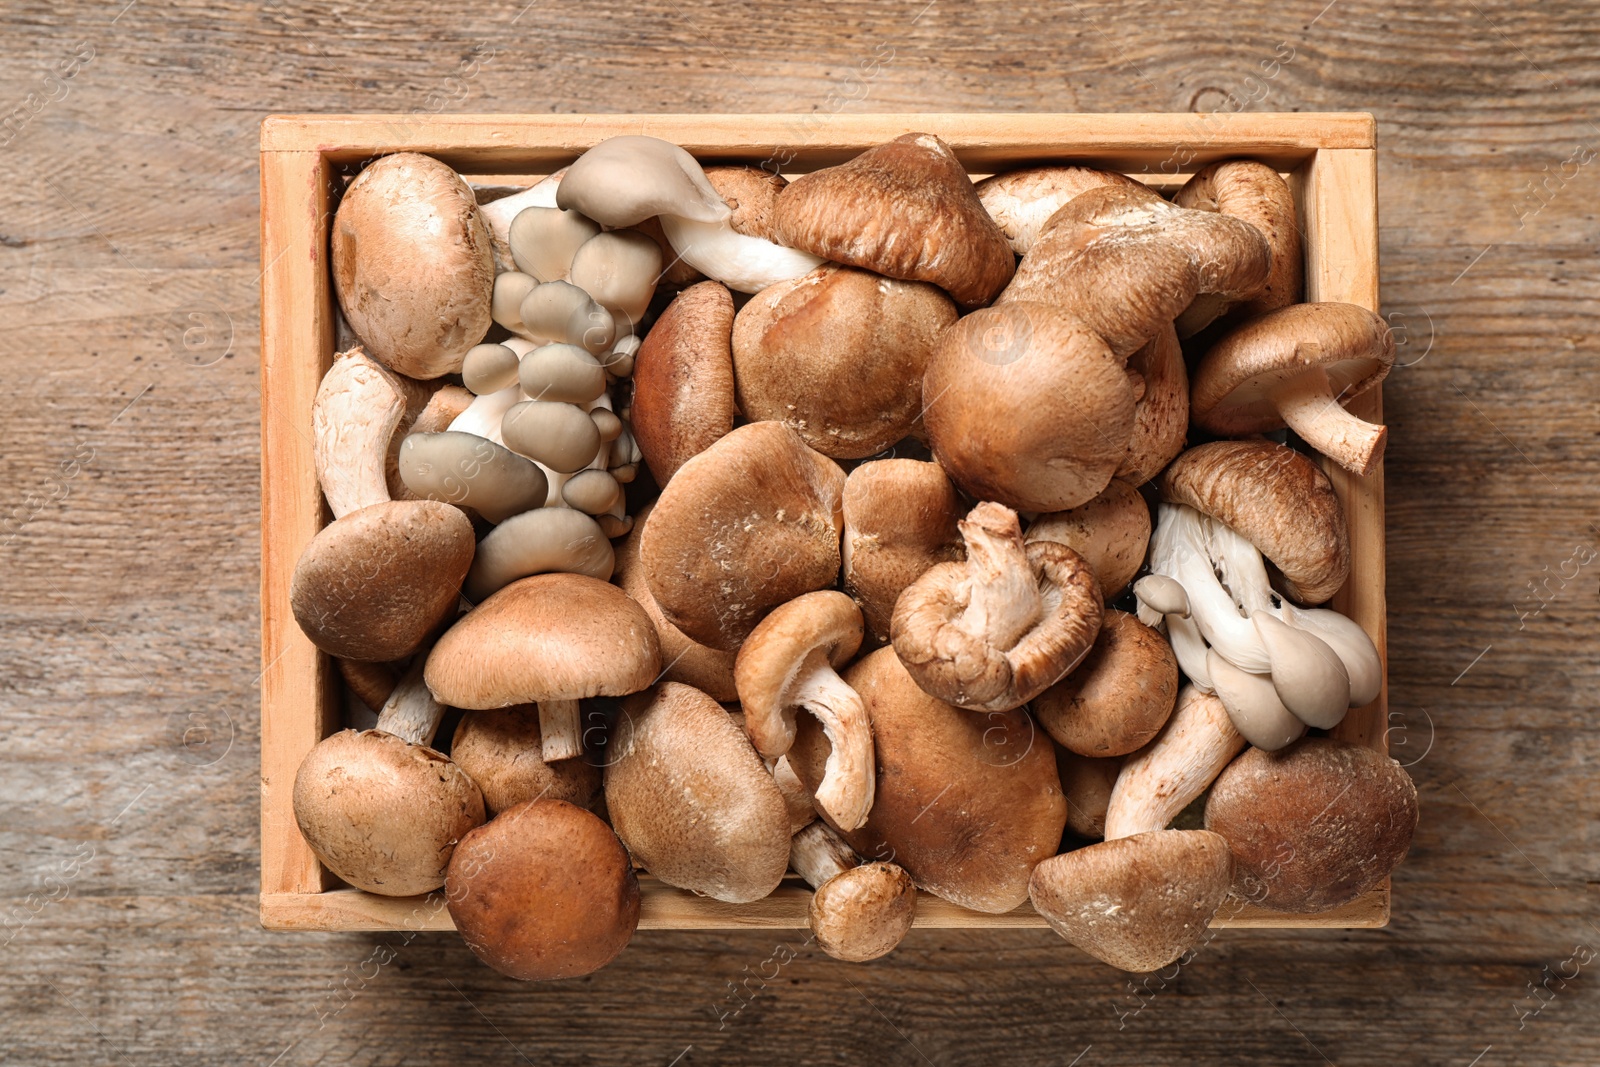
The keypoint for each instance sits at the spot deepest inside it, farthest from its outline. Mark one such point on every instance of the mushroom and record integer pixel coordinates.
(470, 471)
(1315, 825)
(839, 356)
(1295, 367)
(500, 749)
(787, 665)
(739, 251)
(540, 541)
(511, 288)
(562, 372)
(1137, 903)
(359, 407)
(683, 389)
(1110, 532)
(1027, 408)
(1087, 783)
(619, 269)
(553, 640)
(544, 891)
(499, 214)
(1022, 201)
(995, 631)
(412, 264)
(489, 368)
(561, 312)
(750, 523)
(799, 800)
(1125, 262)
(485, 416)
(1254, 192)
(374, 585)
(900, 518)
(966, 803)
(381, 809)
(444, 406)
(543, 240)
(1119, 697)
(371, 683)
(593, 492)
(624, 180)
(905, 209)
(1162, 778)
(1253, 704)
(691, 799)
(1161, 410)
(860, 911)
(560, 436)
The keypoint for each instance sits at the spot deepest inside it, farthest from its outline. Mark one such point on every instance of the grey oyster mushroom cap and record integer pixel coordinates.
(1253, 705)
(471, 471)
(540, 541)
(562, 372)
(560, 311)
(619, 269)
(543, 240)
(624, 180)
(511, 288)
(593, 492)
(561, 436)
(488, 369)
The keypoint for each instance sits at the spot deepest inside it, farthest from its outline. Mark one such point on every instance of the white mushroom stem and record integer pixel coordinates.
(847, 789)
(1003, 596)
(485, 415)
(1190, 649)
(1306, 402)
(358, 407)
(411, 713)
(818, 854)
(796, 797)
(743, 263)
(560, 730)
(1160, 780)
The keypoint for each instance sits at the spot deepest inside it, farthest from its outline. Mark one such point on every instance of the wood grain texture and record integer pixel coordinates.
(129, 256)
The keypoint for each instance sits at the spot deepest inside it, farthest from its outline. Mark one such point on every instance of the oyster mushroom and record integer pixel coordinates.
(624, 180)
(470, 471)
(739, 251)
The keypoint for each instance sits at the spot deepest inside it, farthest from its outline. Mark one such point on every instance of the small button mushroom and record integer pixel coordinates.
(1022, 201)
(499, 749)
(1087, 783)
(900, 518)
(1137, 903)
(995, 631)
(470, 471)
(1162, 778)
(1254, 192)
(619, 269)
(788, 665)
(592, 492)
(551, 640)
(624, 180)
(1315, 825)
(1111, 533)
(560, 311)
(561, 436)
(379, 807)
(1119, 697)
(540, 541)
(683, 385)
(562, 373)
(510, 289)
(1161, 414)
(1253, 704)
(860, 911)
(692, 800)
(489, 368)
(543, 241)
(545, 891)
(375, 584)
(360, 404)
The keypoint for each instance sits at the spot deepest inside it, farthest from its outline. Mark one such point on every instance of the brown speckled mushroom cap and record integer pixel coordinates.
(1254, 192)
(1119, 697)
(838, 355)
(966, 803)
(692, 800)
(683, 389)
(1276, 499)
(864, 912)
(1022, 201)
(751, 193)
(1137, 903)
(905, 209)
(1161, 412)
(550, 637)
(900, 518)
(375, 584)
(1298, 366)
(1126, 262)
(544, 891)
(1087, 783)
(1111, 533)
(1027, 408)
(412, 264)
(994, 631)
(499, 749)
(751, 522)
(1314, 825)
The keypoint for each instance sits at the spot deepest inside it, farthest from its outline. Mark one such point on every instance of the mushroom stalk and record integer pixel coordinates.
(846, 791)
(818, 854)
(560, 730)
(1160, 780)
(1004, 599)
(1306, 402)
(411, 713)
(1179, 549)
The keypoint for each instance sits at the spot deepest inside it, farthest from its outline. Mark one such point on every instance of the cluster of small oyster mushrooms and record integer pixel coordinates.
(864, 629)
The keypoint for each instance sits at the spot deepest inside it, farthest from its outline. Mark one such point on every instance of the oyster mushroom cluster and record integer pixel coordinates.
(755, 528)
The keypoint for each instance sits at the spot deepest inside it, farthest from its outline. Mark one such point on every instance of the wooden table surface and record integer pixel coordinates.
(129, 485)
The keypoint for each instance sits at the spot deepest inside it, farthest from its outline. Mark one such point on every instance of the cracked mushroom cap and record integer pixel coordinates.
(1254, 192)
(993, 632)
(838, 354)
(412, 264)
(1026, 407)
(900, 518)
(1126, 262)
(1160, 382)
(967, 804)
(1276, 499)
(1137, 903)
(683, 386)
(750, 523)
(692, 800)
(499, 748)
(1315, 825)
(905, 209)
(1022, 201)
(1111, 533)
(543, 891)
(1119, 697)
(548, 637)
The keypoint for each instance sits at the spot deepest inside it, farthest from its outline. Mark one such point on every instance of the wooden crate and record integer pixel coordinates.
(1331, 165)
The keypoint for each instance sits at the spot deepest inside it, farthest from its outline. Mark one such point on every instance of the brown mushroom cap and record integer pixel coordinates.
(900, 518)
(1161, 413)
(966, 803)
(823, 627)
(1276, 499)
(1314, 825)
(544, 891)
(412, 264)
(1297, 366)
(865, 912)
(1087, 783)
(1137, 903)
(499, 749)
(838, 354)
(1126, 262)
(691, 799)
(1254, 192)
(375, 584)
(1022, 201)
(746, 525)
(1026, 407)
(1119, 697)
(905, 209)
(683, 389)
(382, 813)
(548, 637)
(751, 194)
(1111, 533)
(993, 632)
